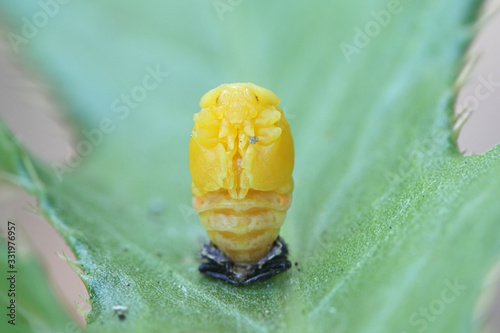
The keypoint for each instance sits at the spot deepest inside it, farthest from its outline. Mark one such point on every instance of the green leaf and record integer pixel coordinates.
(392, 229)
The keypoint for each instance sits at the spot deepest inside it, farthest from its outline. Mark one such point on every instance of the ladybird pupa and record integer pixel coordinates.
(241, 160)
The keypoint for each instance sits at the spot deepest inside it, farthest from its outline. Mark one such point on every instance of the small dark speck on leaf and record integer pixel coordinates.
(128, 284)
(120, 310)
(253, 139)
(341, 269)
(159, 255)
(296, 263)
(390, 227)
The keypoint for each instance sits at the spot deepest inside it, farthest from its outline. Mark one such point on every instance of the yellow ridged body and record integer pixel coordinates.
(241, 160)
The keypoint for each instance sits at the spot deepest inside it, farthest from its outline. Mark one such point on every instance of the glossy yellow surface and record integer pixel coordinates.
(241, 160)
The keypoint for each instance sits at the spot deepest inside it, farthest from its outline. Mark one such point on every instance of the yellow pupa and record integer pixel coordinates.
(241, 160)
